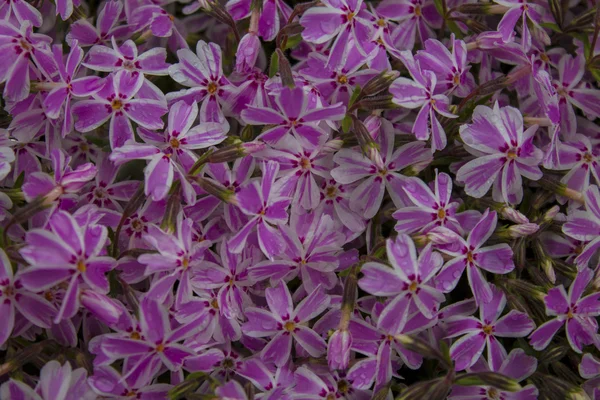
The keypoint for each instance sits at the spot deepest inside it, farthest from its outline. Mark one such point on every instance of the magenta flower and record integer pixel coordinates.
(585, 226)
(275, 13)
(15, 299)
(65, 182)
(7, 155)
(572, 92)
(106, 27)
(317, 384)
(283, 323)
(471, 255)
(274, 385)
(450, 68)
(171, 153)
(116, 102)
(24, 51)
(294, 116)
(414, 17)
(203, 74)
(577, 314)
(56, 383)
(581, 160)
(528, 12)
(504, 152)
(483, 332)
(157, 345)
(313, 254)
(420, 93)
(409, 281)
(590, 369)
(231, 279)
(346, 22)
(431, 208)
(335, 202)
(337, 84)
(177, 255)
(68, 86)
(71, 251)
(21, 11)
(126, 57)
(106, 381)
(374, 177)
(265, 208)
(516, 365)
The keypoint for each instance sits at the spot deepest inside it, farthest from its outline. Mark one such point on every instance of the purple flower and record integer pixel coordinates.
(471, 255)
(282, 323)
(265, 208)
(312, 253)
(24, 50)
(409, 281)
(61, 92)
(516, 365)
(157, 345)
(347, 22)
(294, 116)
(273, 11)
(431, 209)
(414, 17)
(21, 11)
(171, 153)
(451, 69)
(14, 298)
(106, 381)
(374, 177)
(7, 155)
(420, 93)
(65, 181)
(70, 251)
(576, 313)
(585, 226)
(528, 12)
(56, 383)
(483, 332)
(274, 385)
(106, 27)
(177, 255)
(116, 102)
(572, 92)
(504, 152)
(590, 369)
(203, 74)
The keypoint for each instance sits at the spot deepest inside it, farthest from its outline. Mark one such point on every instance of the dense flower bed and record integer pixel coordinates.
(258, 199)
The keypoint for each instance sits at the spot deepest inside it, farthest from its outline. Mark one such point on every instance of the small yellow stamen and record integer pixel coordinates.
(135, 335)
(160, 348)
(413, 286)
(343, 79)
(212, 88)
(488, 329)
(289, 326)
(441, 213)
(81, 266)
(174, 143)
(470, 257)
(116, 105)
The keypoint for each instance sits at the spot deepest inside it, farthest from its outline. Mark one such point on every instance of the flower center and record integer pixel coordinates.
(342, 79)
(25, 45)
(493, 393)
(544, 57)
(160, 348)
(511, 154)
(8, 291)
(174, 143)
(441, 213)
(289, 326)
(350, 16)
(81, 266)
(456, 79)
(330, 396)
(305, 163)
(116, 104)
(214, 304)
(185, 263)
(128, 65)
(570, 314)
(588, 158)
(418, 11)
(488, 329)
(212, 88)
(99, 193)
(135, 335)
(343, 386)
(470, 257)
(331, 191)
(381, 22)
(228, 363)
(413, 286)
(84, 147)
(49, 296)
(383, 172)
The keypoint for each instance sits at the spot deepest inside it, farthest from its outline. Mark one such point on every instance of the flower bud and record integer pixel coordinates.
(216, 189)
(338, 349)
(513, 215)
(379, 83)
(522, 230)
(499, 381)
(103, 307)
(235, 151)
(247, 52)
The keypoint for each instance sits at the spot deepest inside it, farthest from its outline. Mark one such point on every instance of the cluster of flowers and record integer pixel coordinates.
(339, 199)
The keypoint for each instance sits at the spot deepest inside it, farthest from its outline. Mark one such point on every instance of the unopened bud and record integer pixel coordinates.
(513, 215)
(421, 347)
(216, 189)
(338, 349)
(332, 146)
(499, 381)
(383, 102)
(235, 151)
(379, 83)
(551, 213)
(522, 230)
(441, 235)
(480, 9)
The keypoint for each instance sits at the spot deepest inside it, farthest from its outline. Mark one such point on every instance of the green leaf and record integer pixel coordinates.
(346, 123)
(469, 380)
(552, 26)
(292, 41)
(19, 181)
(355, 94)
(274, 67)
(439, 6)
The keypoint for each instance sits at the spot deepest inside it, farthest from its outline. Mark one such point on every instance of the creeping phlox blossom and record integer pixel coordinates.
(338, 199)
